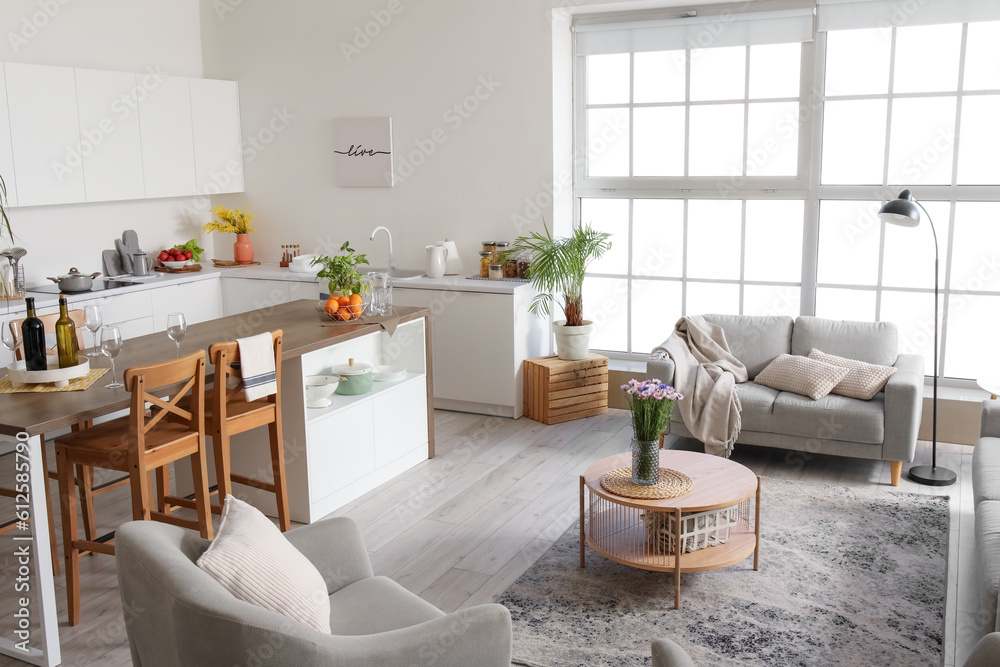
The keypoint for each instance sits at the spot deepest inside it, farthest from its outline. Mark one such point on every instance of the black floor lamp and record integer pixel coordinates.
(903, 211)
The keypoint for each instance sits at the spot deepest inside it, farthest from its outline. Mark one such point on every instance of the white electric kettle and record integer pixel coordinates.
(437, 256)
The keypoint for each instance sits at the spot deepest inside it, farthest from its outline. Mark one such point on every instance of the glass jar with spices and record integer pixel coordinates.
(496, 271)
(485, 259)
(490, 247)
(501, 247)
(523, 262)
(510, 265)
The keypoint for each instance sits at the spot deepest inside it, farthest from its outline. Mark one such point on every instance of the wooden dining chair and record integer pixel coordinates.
(228, 413)
(138, 444)
(85, 475)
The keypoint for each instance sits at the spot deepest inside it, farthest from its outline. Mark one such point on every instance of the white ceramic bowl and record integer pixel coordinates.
(175, 265)
(389, 373)
(319, 388)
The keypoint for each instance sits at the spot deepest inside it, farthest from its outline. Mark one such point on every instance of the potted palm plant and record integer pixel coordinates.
(558, 267)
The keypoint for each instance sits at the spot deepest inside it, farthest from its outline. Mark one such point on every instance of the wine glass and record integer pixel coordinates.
(111, 345)
(11, 337)
(93, 322)
(176, 328)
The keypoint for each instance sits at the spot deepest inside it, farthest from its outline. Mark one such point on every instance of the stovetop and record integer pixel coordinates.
(100, 284)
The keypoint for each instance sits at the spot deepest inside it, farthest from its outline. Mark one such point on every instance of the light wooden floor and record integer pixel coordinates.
(459, 529)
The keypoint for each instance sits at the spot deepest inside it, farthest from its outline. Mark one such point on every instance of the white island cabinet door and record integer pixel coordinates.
(167, 140)
(218, 151)
(45, 134)
(109, 128)
(6, 150)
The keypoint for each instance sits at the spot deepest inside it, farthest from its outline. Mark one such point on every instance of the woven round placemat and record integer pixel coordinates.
(672, 484)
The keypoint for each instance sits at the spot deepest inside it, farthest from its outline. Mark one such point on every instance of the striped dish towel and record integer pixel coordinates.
(257, 365)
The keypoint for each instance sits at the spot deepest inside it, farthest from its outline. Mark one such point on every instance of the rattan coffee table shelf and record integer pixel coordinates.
(717, 523)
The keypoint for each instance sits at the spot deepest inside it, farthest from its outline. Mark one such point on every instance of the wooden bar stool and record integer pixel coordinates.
(228, 413)
(138, 445)
(84, 474)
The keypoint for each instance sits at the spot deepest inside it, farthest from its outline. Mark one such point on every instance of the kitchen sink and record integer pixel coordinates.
(398, 274)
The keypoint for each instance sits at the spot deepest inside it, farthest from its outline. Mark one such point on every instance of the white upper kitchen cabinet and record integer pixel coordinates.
(6, 150)
(45, 134)
(167, 139)
(109, 131)
(218, 152)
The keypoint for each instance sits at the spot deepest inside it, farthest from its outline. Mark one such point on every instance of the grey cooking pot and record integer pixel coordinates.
(74, 281)
(355, 378)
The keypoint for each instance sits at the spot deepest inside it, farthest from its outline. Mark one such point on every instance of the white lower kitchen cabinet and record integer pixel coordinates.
(480, 341)
(241, 295)
(199, 301)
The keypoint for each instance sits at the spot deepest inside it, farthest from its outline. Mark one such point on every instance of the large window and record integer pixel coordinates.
(747, 178)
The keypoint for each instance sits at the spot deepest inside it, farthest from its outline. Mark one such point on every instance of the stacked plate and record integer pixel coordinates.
(389, 373)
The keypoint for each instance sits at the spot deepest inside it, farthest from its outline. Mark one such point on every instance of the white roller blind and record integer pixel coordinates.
(731, 29)
(852, 14)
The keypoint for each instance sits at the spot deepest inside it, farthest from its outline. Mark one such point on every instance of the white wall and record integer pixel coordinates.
(431, 55)
(111, 35)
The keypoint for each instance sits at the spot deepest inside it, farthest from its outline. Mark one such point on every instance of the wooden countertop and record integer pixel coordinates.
(299, 320)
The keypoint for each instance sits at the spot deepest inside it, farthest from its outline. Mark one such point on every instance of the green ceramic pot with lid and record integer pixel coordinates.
(355, 378)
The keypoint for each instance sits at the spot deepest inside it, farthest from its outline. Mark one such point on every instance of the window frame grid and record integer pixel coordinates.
(806, 186)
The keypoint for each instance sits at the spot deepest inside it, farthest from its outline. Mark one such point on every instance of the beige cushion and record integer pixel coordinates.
(801, 375)
(257, 564)
(863, 380)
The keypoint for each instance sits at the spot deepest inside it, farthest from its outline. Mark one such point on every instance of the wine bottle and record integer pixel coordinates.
(33, 336)
(66, 342)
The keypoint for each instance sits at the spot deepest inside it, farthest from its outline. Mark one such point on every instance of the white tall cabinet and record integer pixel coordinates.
(6, 148)
(168, 139)
(45, 133)
(218, 148)
(109, 128)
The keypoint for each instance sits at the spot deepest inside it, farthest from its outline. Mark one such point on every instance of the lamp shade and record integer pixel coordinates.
(902, 211)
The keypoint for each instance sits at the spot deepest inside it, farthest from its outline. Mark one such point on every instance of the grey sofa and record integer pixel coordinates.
(986, 496)
(666, 653)
(884, 428)
(176, 615)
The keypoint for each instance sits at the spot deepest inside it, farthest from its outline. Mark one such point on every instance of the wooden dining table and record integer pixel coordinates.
(26, 416)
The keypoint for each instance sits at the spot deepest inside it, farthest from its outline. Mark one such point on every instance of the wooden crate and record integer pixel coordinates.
(558, 391)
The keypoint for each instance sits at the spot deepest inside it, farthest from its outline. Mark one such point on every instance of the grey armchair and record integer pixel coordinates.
(176, 615)
(666, 653)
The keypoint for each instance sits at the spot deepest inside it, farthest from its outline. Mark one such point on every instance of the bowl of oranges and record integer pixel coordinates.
(344, 308)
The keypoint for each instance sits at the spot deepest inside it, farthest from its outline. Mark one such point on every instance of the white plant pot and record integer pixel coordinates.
(572, 343)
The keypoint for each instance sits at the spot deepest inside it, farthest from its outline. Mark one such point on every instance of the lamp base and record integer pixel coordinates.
(932, 476)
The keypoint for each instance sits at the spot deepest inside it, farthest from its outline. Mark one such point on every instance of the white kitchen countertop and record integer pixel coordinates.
(263, 272)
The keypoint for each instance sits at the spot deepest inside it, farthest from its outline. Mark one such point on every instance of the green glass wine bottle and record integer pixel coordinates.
(66, 342)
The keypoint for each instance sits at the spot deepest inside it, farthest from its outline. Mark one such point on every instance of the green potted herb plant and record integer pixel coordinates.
(558, 267)
(341, 271)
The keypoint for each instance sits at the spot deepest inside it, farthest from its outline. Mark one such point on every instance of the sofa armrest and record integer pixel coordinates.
(667, 653)
(335, 547)
(986, 653)
(480, 636)
(904, 402)
(661, 368)
(989, 426)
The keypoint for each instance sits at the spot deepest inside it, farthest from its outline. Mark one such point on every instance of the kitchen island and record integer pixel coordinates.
(332, 455)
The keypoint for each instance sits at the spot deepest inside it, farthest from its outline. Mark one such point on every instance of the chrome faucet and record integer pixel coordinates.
(392, 259)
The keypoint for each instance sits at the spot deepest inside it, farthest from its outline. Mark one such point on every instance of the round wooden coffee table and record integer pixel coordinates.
(717, 522)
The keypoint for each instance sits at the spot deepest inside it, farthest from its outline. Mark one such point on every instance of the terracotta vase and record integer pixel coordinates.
(243, 249)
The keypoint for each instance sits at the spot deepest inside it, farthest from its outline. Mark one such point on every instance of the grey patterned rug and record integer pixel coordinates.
(848, 576)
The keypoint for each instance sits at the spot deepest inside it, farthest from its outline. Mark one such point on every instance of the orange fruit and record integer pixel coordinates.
(344, 300)
(331, 305)
(355, 300)
(343, 314)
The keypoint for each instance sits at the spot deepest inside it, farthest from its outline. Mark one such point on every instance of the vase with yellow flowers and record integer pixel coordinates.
(234, 221)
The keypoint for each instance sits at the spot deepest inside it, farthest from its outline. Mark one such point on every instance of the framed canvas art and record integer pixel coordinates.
(362, 152)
